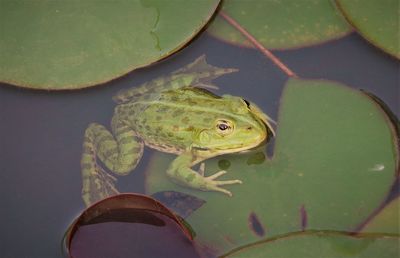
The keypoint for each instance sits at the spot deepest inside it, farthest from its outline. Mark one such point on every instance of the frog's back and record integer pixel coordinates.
(170, 122)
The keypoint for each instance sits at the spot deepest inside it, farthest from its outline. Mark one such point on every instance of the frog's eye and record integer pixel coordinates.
(224, 127)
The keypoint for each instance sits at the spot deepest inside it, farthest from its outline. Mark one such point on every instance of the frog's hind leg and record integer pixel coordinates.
(120, 155)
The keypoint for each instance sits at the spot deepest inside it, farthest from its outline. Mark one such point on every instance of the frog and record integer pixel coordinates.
(176, 114)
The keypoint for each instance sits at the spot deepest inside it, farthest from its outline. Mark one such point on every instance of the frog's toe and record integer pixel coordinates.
(216, 175)
(214, 185)
(222, 190)
(212, 180)
(229, 182)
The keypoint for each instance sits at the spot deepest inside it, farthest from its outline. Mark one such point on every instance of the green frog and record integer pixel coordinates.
(173, 114)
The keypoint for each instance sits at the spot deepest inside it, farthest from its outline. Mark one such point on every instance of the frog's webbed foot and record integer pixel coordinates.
(210, 184)
(181, 172)
(98, 185)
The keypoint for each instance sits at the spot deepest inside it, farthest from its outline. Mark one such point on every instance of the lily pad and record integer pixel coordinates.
(387, 220)
(109, 227)
(281, 24)
(334, 162)
(73, 44)
(322, 244)
(377, 21)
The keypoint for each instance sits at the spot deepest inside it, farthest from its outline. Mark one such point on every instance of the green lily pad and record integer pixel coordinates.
(281, 24)
(54, 44)
(387, 220)
(334, 162)
(377, 21)
(322, 244)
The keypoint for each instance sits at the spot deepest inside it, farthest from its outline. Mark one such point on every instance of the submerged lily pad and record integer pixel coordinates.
(182, 204)
(321, 244)
(334, 162)
(73, 44)
(281, 24)
(377, 21)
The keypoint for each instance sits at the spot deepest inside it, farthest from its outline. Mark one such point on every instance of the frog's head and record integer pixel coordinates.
(240, 127)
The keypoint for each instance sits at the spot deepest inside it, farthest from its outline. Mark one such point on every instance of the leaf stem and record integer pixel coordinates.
(257, 44)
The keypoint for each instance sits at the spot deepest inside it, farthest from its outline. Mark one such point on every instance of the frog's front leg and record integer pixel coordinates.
(120, 155)
(181, 172)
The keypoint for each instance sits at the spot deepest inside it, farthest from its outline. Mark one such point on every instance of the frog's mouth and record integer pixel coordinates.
(241, 149)
(238, 147)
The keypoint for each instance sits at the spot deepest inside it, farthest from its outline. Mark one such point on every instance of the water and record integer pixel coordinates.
(42, 132)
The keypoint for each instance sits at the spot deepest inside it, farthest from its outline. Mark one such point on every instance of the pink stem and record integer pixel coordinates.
(257, 44)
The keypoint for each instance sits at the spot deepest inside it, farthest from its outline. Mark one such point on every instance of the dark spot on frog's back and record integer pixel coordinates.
(185, 120)
(175, 128)
(174, 98)
(189, 129)
(176, 113)
(179, 138)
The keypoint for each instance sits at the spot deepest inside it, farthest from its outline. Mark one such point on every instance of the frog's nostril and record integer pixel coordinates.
(249, 128)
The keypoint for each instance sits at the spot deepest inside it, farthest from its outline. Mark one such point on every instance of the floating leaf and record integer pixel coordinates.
(317, 179)
(387, 220)
(109, 227)
(281, 24)
(73, 44)
(377, 21)
(321, 244)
